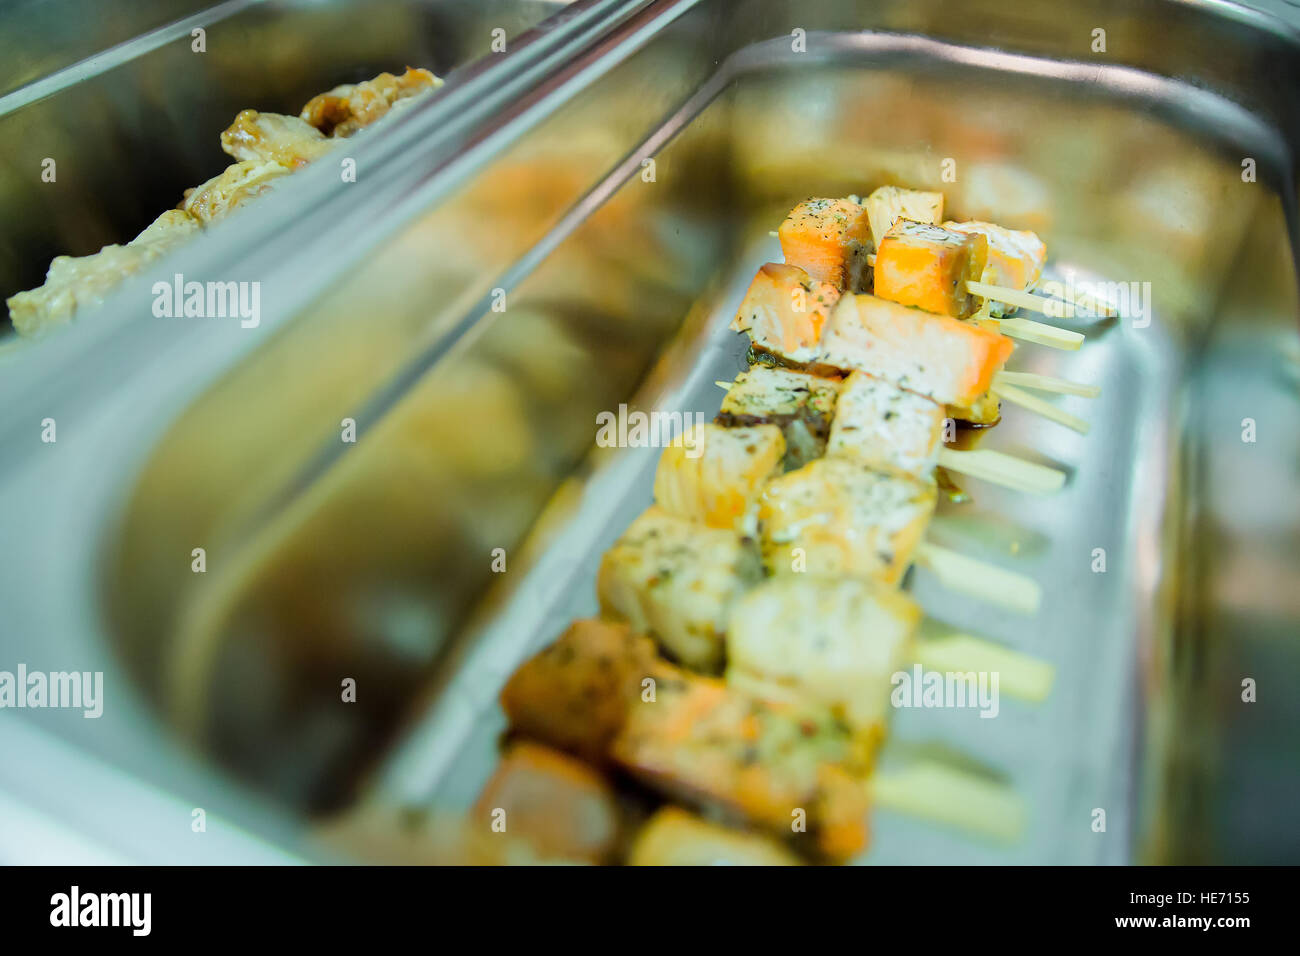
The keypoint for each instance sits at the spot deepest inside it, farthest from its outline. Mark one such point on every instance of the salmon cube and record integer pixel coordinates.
(675, 837)
(714, 475)
(883, 426)
(833, 640)
(927, 266)
(1016, 258)
(829, 239)
(944, 359)
(785, 310)
(801, 405)
(675, 580)
(888, 204)
(834, 516)
(574, 694)
(559, 804)
(706, 744)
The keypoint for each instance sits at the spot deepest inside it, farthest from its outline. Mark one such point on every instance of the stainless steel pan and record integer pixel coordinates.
(372, 560)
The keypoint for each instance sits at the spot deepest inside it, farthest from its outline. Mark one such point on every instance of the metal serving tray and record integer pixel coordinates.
(331, 560)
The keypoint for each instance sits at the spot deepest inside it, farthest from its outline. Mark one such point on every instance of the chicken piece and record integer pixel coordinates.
(575, 694)
(888, 204)
(81, 282)
(829, 239)
(801, 405)
(561, 805)
(947, 360)
(272, 138)
(1015, 259)
(771, 763)
(695, 738)
(844, 519)
(714, 475)
(836, 641)
(785, 310)
(345, 109)
(239, 183)
(676, 580)
(882, 426)
(928, 267)
(675, 837)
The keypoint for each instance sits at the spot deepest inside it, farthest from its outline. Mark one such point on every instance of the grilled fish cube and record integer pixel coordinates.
(1015, 261)
(675, 580)
(836, 641)
(829, 239)
(927, 266)
(882, 426)
(843, 518)
(575, 693)
(801, 405)
(714, 475)
(706, 744)
(942, 358)
(675, 837)
(559, 804)
(785, 309)
(888, 204)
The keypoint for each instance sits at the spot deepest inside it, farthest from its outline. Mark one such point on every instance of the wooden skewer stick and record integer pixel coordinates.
(1035, 404)
(932, 791)
(1021, 300)
(1002, 469)
(977, 579)
(1088, 302)
(1027, 330)
(1020, 675)
(1046, 383)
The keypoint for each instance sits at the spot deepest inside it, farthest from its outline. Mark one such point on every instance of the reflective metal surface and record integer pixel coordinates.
(331, 560)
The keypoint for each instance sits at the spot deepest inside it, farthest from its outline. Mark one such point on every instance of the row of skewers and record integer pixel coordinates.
(752, 617)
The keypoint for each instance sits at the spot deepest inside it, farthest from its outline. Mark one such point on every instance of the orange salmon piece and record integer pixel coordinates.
(829, 239)
(947, 360)
(928, 266)
(785, 309)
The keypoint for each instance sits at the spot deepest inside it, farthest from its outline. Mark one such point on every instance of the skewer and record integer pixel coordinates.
(978, 579)
(1039, 333)
(1037, 405)
(1046, 383)
(941, 648)
(1001, 469)
(1088, 302)
(994, 467)
(932, 791)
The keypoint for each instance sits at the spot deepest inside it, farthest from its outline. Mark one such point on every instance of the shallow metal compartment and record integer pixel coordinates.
(1128, 177)
(1084, 153)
